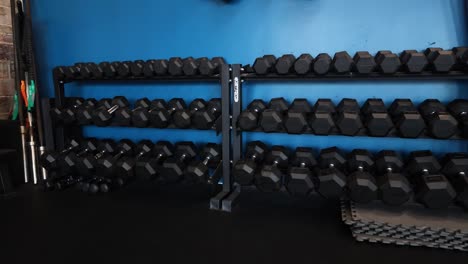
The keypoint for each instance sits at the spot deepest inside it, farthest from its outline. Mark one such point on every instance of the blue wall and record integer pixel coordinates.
(89, 30)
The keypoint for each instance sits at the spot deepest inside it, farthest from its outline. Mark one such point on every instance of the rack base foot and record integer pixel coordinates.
(225, 201)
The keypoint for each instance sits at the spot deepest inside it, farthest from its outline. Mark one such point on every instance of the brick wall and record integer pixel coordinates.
(6, 60)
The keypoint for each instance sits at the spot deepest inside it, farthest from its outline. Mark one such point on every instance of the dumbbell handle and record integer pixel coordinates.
(252, 157)
(81, 153)
(191, 111)
(66, 150)
(182, 157)
(207, 159)
(255, 109)
(302, 165)
(113, 109)
(100, 154)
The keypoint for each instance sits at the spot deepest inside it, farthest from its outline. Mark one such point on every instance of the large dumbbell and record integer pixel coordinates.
(364, 62)
(394, 187)
(431, 187)
(142, 117)
(70, 159)
(413, 61)
(147, 168)
(72, 72)
(85, 114)
(183, 118)
(407, 119)
(58, 114)
(176, 66)
(102, 116)
(174, 167)
(125, 167)
(269, 178)
(155, 67)
(321, 120)
(271, 119)
(198, 170)
(107, 164)
(441, 124)
(440, 60)
(377, 120)
(244, 170)
(456, 170)
(206, 118)
(348, 119)
(296, 117)
(70, 114)
(331, 179)
(50, 160)
(387, 62)
(362, 186)
(459, 109)
(303, 64)
(123, 115)
(248, 119)
(342, 62)
(322, 64)
(300, 179)
(91, 70)
(124, 69)
(86, 163)
(161, 118)
(211, 67)
(108, 69)
(191, 66)
(285, 64)
(136, 68)
(264, 64)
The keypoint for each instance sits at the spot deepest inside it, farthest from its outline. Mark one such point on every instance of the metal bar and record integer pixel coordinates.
(226, 127)
(236, 110)
(59, 102)
(168, 78)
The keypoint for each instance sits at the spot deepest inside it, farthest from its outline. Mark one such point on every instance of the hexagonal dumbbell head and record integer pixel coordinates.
(299, 179)
(141, 116)
(440, 60)
(136, 68)
(176, 65)
(459, 109)
(322, 63)
(459, 52)
(271, 119)
(173, 168)
(378, 121)
(183, 118)
(191, 66)
(331, 180)
(149, 167)
(296, 117)
(456, 170)
(441, 123)
(107, 165)
(413, 61)
(342, 62)
(264, 65)
(161, 118)
(86, 164)
(123, 116)
(364, 62)
(248, 119)
(387, 62)
(50, 159)
(321, 119)
(303, 64)
(285, 64)
(123, 69)
(161, 67)
(406, 118)
(198, 170)
(148, 68)
(394, 187)
(102, 115)
(108, 69)
(67, 115)
(206, 118)
(125, 167)
(270, 176)
(211, 67)
(244, 170)
(362, 185)
(88, 145)
(348, 120)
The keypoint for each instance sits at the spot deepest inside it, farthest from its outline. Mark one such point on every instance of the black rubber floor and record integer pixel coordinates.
(145, 224)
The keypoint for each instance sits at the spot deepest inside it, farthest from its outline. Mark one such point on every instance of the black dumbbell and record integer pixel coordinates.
(441, 124)
(244, 170)
(459, 109)
(394, 187)
(331, 179)
(413, 61)
(285, 64)
(297, 116)
(248, 119)
(70, 159)
(206, 117)
(191, 66)
(123, 69)
(377, 120)
(106, 165)
(59, 72)
(348, 119)
(102, 116)
(300, 179)
(69, 114)
(123, 115)
(198, 170)
(50, 160)
(72, 72)
(183, 118)
(364, 62)
(440, 60)
(456, 170)
(362, 185)
(58, 114)
(271, 119)
(264, 64)
(211, 67)
(173, 168)
(91, 70)
(155, 68)
(148, 168)
(431, 187)
(303, 64)
(161, 118)
(86, 163)
(321, 120)
(142, 117)
(136, 68)
(125, 167)
(84, 115)
(269, 178)
(461, 56)
(175, 67)
(322, 64)
(342, 62)
(387, 62)
(407, 119)
(109, 69)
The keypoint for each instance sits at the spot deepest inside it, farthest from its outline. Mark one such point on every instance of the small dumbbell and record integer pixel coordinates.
(441, 124)
(125, 167)
(86, 163)
(109, 69)
(285, 64)
(432, 188)
(269, 179)
(300, 180)
(362, 185)
(85, 114)
(155, 67)
(377, 120)
(460, 53)
(102, 116)
(264, 64)
(244, 170)
(50, 159)
(142, 116)
(197, 170)
(191, 66)
(303, 64)
(459, 109)
(175, 67)
(183, 118)
(364, 62)
(69, 114)
(211, 67)
(123, 69)
(161, 118)
(387, 62)
(123, 115)
(394, 187)
(296, 117)
(148, 168)
(321, 120)
(70, 159)
(58, 114)
(342, 62)
(440, 60)
(106, 165)
(91, 71)
(173, 168)
(271, 119)
(72, 72)
(248, 119)
(322, 64)
(348, 119)
(136, 68)
(407, 119)
(206, 118)
(456, 170)
(331, 179)
(413, 61)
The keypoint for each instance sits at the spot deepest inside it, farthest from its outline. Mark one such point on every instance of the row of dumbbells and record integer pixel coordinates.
(175, 66)
(402, 118)
(101, 165)
(360, 175)
(157, 113)
(385, 61)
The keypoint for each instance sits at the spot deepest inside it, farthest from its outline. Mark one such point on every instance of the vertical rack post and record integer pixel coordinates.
(236, 110)
(59, 88)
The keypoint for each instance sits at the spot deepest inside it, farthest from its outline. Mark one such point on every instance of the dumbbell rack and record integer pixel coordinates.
(222, 78)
